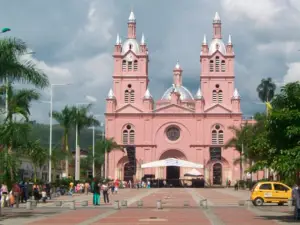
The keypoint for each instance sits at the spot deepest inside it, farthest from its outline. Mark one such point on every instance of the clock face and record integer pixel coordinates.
(129, 57)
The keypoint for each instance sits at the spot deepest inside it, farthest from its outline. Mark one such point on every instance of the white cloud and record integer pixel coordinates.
(262, 12)
(292, 73)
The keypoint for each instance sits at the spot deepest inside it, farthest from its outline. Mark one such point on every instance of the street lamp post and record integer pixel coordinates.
(50, 129)
(105, 150)
(77, 150)
(93, 169)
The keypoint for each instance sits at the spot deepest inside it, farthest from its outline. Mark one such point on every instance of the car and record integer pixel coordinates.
(270, 192)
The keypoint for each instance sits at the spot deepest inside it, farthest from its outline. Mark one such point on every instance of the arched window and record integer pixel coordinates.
(217, 135)
(129, 66)
(223, 66)
(214, 96)
(220, 96)
(135, 65)
(125, 137)
(132, 96)
(131, 137)
(124, 65)
(214, 137)
(128, 135)
(220, 137)
(126, 96)
(211, 66)
(217, 64)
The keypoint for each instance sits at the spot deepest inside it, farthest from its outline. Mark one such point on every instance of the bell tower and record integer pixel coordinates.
(130, 76)
(217, 68)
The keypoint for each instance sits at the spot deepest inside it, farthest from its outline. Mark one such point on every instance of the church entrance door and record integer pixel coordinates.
(128, 172)
(217, 174)
(173, 174)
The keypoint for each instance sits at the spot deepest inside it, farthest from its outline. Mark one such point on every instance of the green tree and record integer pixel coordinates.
(19, 102)
(266, 90)
(65, 118)
(37, 154)
(239, 142)
(13, 68)
(283, 126)
(82, 119)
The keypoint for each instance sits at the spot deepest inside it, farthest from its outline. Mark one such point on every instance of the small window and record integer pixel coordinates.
(265, 187)
(131, 137)
(125, 137)
(214, 138)
(135, 65)
(211, 66)
(220, 137)
(124, 65)
(126, 96)
(279, 187)
(223, 66)
(130, 46)
(132, 96)
(217, 64)
(129, 66)
(214, 96)
(220, 97)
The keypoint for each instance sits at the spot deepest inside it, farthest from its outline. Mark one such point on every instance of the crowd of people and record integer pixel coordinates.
(19, 193)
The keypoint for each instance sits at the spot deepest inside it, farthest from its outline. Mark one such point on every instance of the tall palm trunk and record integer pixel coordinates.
(241, 166)
(67, 156)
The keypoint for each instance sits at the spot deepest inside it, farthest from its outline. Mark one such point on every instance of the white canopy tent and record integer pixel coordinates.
(193, 173)
(172, 162)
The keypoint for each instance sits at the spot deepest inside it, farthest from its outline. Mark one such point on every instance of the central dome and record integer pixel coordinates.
(185, 94)
(130, 44)
(217, 44)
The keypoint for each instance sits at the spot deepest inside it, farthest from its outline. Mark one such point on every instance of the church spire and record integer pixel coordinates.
(204, 40)
(131, 26)
(143, 39)
(217, 34)
(229, 40)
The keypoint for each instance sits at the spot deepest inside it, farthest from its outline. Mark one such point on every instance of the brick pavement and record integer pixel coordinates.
(174, 212)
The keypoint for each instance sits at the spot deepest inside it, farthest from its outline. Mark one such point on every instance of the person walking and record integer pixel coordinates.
(16, 193)
(96, 188)
(4, 194)
(105, 189)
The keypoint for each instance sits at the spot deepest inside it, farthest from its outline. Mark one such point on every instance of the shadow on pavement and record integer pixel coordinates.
(285, 218)
(19, 215)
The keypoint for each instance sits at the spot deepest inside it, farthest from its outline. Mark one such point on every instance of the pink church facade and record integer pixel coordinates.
(192, 127)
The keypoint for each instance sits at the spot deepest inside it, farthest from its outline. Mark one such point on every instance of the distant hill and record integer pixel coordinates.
(42, 131)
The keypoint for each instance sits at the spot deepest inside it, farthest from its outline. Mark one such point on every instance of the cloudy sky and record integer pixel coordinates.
(74, 39)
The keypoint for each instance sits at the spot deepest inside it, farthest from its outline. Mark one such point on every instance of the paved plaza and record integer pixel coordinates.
(179, 206)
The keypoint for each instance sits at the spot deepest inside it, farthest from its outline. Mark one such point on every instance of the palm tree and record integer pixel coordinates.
(82, 119)
(19, 102)
(13, 68)
(266, 91)
(105, 146)
(65, 118)
(37, 154)
(239, 141)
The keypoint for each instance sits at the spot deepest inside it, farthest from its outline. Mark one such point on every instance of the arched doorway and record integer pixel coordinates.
(173, 172)
(217, 174)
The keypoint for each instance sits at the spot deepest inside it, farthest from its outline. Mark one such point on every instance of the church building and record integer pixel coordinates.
(183, 125)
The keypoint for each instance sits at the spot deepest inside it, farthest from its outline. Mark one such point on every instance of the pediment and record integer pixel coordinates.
(128, 109)
(217, 108)
(130, 55)
(173, 108)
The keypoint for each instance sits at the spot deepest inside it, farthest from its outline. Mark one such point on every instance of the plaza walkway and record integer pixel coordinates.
(180, 206)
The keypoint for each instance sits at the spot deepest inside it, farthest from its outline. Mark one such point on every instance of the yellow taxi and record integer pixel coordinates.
(270, 192)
